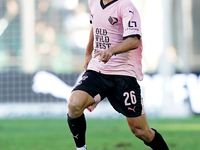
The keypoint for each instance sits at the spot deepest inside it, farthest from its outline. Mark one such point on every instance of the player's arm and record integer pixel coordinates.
(89, 49)
(130, 43)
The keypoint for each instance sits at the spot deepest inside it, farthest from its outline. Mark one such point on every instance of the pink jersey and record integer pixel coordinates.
(112, 23)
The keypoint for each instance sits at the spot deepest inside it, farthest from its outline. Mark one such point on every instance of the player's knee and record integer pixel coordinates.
(74, 107)
(144, 135)
(138, 133)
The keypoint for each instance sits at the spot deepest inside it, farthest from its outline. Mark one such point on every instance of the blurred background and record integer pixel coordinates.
(42, 44)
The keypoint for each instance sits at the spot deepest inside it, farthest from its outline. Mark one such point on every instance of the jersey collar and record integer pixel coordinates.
(104, 6)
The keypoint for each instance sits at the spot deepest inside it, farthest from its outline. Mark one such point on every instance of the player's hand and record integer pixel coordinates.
(87, 60)
(104, 56)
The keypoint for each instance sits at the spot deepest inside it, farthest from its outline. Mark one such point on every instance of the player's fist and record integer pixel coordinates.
(87, 60)
(104, 56)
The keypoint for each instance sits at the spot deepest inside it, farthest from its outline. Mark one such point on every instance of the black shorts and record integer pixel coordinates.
(123, 92)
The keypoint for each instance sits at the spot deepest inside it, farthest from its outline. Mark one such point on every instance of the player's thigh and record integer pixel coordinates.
(125, 96)
(79, 100)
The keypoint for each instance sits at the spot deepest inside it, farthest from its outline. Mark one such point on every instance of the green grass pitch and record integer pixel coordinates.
(102, 134)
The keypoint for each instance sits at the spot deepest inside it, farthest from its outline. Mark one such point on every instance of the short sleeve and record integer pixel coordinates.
(131, 21)
(89, 5)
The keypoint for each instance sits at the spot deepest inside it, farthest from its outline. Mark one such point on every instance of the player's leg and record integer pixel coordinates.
(87, 91)
(140, 128)
(79, 100)
(125, 97)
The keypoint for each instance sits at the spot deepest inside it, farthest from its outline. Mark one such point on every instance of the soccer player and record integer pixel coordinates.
(112, 71)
